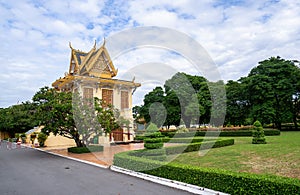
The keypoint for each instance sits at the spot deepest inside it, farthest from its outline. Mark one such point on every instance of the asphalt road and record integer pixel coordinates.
(28, 171)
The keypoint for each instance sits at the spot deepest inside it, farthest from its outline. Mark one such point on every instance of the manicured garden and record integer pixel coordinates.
(280, 156)
(242, 168)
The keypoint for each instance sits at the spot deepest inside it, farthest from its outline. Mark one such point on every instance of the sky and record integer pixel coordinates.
(237, 34)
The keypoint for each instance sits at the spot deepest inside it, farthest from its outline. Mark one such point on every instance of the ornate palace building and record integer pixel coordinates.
(92, 75)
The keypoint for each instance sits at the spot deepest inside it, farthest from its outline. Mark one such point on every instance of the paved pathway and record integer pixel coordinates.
(28, 171)
(103, 158)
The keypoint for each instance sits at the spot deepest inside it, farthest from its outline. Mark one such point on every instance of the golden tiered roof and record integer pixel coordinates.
(95, 65)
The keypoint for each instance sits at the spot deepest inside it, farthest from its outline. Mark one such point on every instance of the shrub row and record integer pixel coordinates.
(197, 146)
(183, 140)
(240, 133)
(221, 180)
(183, 148)
(153, 145)
(88, 149)
(174, 140)
(154, 154)
(153, 140)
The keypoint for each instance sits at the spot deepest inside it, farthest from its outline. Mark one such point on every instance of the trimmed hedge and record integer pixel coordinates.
(183, 140)
(221, 180)
(197, 146)
(240, 133)
(79, 150)
(182, 148)
(174, 140)
(153, 140)
(153, 145)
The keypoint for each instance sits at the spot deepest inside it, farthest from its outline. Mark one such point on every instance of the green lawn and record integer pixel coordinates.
(280, 156)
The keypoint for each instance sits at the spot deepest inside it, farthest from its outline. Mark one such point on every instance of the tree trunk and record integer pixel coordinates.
(294, 112)
(278, 125)
(295, 122)
(187, 121)
(78, 142)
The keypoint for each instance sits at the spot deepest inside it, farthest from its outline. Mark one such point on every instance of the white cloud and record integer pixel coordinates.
(35, 34)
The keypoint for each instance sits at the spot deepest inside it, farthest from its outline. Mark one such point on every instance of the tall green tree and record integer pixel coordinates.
(182, 86)
(272, 90)
(201, 87)
(72, 116)
(218, 102)
(238, 105)
(172, 106)
(18, 118)
(154, 96)
(55, 114)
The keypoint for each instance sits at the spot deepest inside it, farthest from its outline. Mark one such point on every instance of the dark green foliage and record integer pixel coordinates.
(154, 154)
(42, 138)
(272, 89)
(18, 118)
(155, 96)
(216, 179)
(71, 116)
(158, 153)
(271, 132)
(183, 140)
(153, 145)
(196, 146)
(88, 149)
(244, 133)
(237, 109)
(153, 140)
(145, 152)
(184, 97)
(258, 134)
(55, 113)
(270, 93)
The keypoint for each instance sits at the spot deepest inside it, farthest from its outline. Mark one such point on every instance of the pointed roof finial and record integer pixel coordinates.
(70, 45)
(95, 44)
(103, 42)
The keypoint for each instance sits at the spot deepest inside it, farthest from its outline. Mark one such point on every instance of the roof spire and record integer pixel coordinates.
(103, 42)
(70, 45)
(95, 44)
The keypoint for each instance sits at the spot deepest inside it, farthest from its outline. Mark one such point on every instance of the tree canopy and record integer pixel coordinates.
(18, 118)
(270, 93)
(71, 116)
(273, 91)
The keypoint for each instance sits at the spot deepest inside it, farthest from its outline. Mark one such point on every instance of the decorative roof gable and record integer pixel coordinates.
(96, 63)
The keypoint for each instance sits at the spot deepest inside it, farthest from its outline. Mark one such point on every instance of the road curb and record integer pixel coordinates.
(167, 182)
